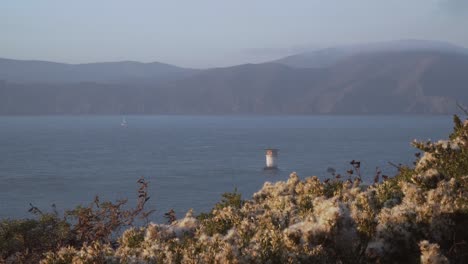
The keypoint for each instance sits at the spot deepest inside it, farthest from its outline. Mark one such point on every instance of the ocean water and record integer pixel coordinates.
(189, 161)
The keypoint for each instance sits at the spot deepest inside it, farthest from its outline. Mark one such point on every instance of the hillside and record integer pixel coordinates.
(20, 71)
(391, 82)
(396, 82)
(329, 56)
(376, 83)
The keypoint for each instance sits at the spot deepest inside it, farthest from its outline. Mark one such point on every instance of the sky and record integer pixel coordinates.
(215, 33)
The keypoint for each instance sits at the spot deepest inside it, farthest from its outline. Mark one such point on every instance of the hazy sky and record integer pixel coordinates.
(202, 33)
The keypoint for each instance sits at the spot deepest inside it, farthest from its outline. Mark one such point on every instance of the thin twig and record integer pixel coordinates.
(462, 108)
(394, 165)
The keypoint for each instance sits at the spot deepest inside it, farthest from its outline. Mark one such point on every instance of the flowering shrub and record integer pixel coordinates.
(418, 216)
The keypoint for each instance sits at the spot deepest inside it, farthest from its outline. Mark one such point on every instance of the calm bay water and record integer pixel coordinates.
(189, 161)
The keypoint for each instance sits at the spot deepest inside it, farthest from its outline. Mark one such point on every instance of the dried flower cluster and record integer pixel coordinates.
(418, 216)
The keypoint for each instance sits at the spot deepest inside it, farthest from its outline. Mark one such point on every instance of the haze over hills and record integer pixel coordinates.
(20, 71)
(405, 77)
(328, 56)
(377, 83)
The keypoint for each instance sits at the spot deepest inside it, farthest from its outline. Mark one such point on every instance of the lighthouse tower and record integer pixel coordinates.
(271, 156)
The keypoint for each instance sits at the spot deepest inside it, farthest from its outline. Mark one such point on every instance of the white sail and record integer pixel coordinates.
(124, 122)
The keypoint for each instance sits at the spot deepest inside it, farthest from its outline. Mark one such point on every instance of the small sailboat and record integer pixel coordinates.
(124, 122)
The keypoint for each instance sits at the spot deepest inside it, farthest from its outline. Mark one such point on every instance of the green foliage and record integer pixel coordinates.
(214, 225)
(332, 188)
(135, 240)
(233, 199)
(367, 205)
(389, 193)
(29, 238)
(458, 127)
(305, 207)
(404, 174)
(204, 216)
(448, 158)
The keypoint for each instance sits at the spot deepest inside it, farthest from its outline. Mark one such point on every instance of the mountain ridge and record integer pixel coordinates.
(29, 71)
(328, 56)
(378, 82)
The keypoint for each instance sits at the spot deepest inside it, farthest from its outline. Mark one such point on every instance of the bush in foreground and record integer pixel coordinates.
(26, 240)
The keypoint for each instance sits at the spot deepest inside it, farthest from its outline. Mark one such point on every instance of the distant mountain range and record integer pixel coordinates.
(20, 71)
(329, 56)
(401, 77)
